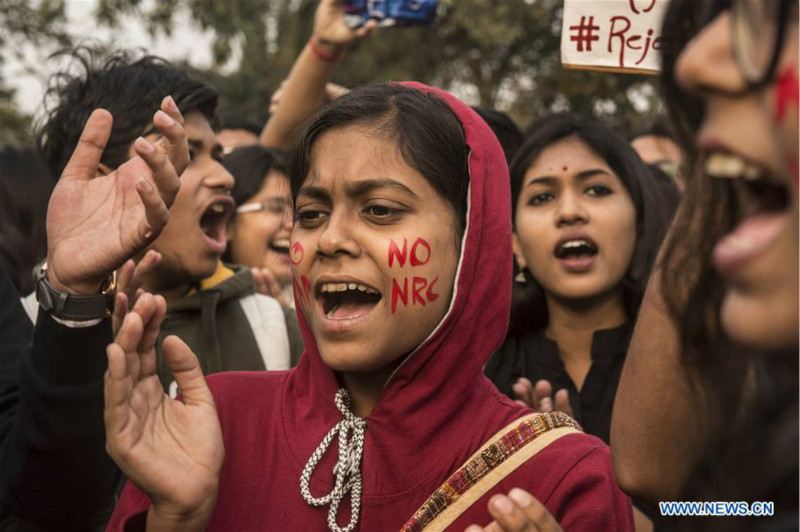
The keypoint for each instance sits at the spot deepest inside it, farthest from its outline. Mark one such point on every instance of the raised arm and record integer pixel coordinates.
(305, 89)
(661, 413)
(54, 471)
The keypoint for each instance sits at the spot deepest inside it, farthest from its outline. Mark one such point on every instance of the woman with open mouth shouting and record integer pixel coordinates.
(587, 226)
(708, 401)
(401, 262)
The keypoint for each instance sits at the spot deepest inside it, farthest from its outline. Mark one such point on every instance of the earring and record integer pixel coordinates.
(521, 278)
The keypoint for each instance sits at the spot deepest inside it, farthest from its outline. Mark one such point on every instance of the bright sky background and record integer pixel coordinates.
(30, 75)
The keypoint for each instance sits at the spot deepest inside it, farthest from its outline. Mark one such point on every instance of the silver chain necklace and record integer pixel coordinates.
(347, 469)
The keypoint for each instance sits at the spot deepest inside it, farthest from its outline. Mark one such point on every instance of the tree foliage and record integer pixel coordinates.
(25, 23)
(501, 54)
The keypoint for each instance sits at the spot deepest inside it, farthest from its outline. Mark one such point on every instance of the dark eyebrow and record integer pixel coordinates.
(317, 193)
(365, 186)
(586, 174)
(582, 176)
(544, 180)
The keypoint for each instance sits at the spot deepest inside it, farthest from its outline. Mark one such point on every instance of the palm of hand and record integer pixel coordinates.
(81, 214)
(174, 450)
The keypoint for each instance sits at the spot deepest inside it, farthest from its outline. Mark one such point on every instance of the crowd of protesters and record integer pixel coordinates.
(386, 310)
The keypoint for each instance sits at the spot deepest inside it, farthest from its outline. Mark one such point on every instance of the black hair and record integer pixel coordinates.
(129, 84)
(428, 133)
(234, 121)
(657, 127)
(667, 191)
(25, 187)
(529, 307)
(506, 131)
(250, 167)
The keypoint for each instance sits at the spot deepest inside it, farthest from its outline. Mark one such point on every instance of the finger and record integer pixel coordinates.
(152, 329)
(155, 211)
(273, 286)
(124, 276)
(366, 30)
(187, 372)
(120, 311)
(130, 333)
(89, 150)
(508, 516)
(169, 122)
(116, 391)
(522, 395)
(473, 528)
(534, 511)
(165, 176)
(150, 260)
(562, 402)
(542, 390)
(546, 405)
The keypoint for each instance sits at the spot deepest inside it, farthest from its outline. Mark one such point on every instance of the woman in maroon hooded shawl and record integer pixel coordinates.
(402, 263)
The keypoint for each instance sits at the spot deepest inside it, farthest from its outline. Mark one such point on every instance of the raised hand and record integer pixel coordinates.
(330, 29)
(94, 224)
(517, 512)
(540, 396)
(171, 449)
(129, 284)
(269, 286)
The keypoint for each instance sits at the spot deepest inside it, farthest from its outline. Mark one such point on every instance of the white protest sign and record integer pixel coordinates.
(613, 35)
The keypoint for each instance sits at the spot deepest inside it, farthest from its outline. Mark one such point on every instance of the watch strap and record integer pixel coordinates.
(72, 307)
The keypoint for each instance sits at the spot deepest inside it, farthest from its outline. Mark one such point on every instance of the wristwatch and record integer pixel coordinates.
(75, 308)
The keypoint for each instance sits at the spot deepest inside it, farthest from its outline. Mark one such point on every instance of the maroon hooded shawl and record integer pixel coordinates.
(434, 413)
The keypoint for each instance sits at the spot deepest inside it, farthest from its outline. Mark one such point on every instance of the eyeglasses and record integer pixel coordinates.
(272, 206)
(758, 29)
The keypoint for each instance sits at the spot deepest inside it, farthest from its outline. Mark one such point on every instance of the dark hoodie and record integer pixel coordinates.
(435, 411)
(227, 311)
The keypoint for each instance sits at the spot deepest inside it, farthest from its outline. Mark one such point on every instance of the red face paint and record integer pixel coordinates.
(429, 293)
(420, 252)
(787, 94)
(395, 253)
(416, 251)
(421, 292)
(397, 292)
(299, 295)
(418, 285)
(296, 253)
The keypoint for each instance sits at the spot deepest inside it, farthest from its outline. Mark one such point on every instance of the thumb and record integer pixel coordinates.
(184, 365)
(86, 157)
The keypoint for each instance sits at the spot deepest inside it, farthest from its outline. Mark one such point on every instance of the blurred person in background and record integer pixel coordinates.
(236, 130)
(260, 227)
(25, 187)
(657, 147)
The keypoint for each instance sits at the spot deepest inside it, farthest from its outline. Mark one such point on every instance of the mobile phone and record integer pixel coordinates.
(390, 12)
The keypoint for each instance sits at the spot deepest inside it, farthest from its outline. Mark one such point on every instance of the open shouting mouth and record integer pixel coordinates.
(764, 205)
(342, 303)
(214, 220)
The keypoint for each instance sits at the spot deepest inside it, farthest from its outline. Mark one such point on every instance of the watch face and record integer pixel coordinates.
(43, 294)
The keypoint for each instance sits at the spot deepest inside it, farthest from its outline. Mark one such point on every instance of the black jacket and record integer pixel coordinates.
(536, 357)
(54, 470)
